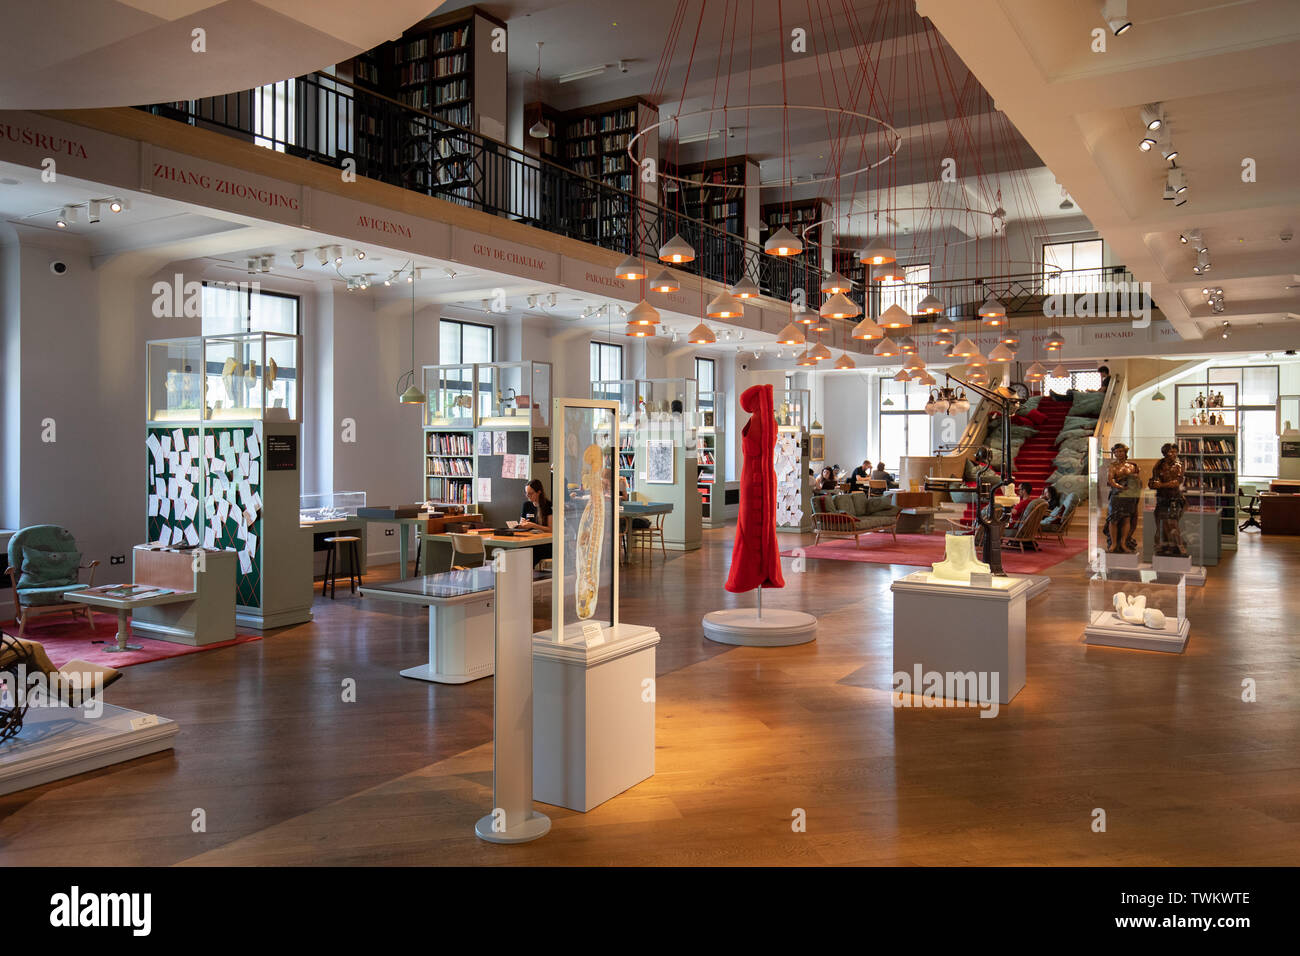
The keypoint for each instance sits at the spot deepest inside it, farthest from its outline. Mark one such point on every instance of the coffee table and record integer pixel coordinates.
(125, 604)
(922, 519)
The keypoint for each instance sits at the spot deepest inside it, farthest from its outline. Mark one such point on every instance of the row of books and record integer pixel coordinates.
(428, 97)
(456, 467)
(614, 164)
(1212, 464)
(450, 444)
(421, 71)
(615, 143)
(1211, 484)
(625, 460)
(1208, 446)
(706, 457)
(367, 72)
(450, 491)
(445, 42)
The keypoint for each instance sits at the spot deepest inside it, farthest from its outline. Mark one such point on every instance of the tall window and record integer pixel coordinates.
(904, 426)
(274, 107)
(467, 343)
(907, 293)
(239, 307)
(1257, 400)
(1079, 264)
(607, 366)
(705, 371)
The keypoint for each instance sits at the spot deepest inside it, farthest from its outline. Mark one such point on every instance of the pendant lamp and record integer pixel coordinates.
(630, 269)
(804, 317)
(539, 129)
(643, 313)
(790, 335)
(412, 394)
(913, 361)
(889, 272)
(820, 352)
(887, 348)
(867, 329)
(878, 252)
(835, 284)
(895, 317)
(908, 345)
(665, 282)
(976, 361)
(840, 306)
(676, 249)
(944, 338)
(1010, 339)
(1159, 396)
(844, 361)
(1035, 373)
(944, 324)
(783, 243)
(902, 376)
(965, 349)
(1001, 353)
(639, 331)
(702, 335)
(805, 358)
(930, 305)
(992, 309)
(1060, 371)
(745, 288)
(1055, 342)
(724, 306)
(926, 379)
(819, 325)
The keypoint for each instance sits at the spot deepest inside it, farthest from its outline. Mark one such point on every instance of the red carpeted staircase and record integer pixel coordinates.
(1034, 463)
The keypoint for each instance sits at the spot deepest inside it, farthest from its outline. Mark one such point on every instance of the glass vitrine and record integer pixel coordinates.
(330, 507)
(175, 380)
(449, 396)
(516, 393)
(235, 377)
(792, 407)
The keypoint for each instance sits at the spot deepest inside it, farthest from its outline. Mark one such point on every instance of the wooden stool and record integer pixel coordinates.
(332, 564)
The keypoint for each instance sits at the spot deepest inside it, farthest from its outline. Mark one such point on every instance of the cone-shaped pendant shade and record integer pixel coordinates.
(1010, 339)
(745, 288)
(783, 243)
(1001, 353)
(840, 306)
(903, 375)
(1060, 371)
(702, 335)
(930, 305)
(926, 379)
(1055, 342)
(944, 324)
(724, 306)
(867, 329)
(965, 349)
(676, 249)
(889, 272)
(992, 308)
(805, 358)
(895, 317)
(908, 345)
(632, 269)
(887, 348)
(878, 252)
(820, 352)
(1035, 373)
(790, 335)
(819, 325)
(665, 282)
(943, 338)
(412, 396)
(977, 360)
(643, 313)
(844, 361)
(640, 331)
(913, 361)
(835, 283)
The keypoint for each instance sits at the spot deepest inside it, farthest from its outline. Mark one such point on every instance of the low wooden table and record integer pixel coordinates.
(921, 519)
(124, 605)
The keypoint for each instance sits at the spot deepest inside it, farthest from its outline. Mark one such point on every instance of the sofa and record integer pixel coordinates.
(853, 515)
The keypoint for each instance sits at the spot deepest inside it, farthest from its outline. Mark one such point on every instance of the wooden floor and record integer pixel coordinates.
(287, 773)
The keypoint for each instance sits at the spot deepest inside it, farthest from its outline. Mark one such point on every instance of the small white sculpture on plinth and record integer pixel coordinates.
(959, 559)
(1133, 610)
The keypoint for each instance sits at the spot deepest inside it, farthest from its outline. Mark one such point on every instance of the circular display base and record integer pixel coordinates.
(537, 825)
(776, 628)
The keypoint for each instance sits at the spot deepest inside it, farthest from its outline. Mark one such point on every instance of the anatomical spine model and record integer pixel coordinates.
(591, 537)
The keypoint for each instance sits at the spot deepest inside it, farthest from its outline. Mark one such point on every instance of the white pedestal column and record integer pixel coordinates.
(460, 642)
(594, 716)
(957, 628)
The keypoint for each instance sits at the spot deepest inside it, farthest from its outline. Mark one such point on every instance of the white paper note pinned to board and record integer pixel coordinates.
(191, 536)
(254, 447)
(245, 563)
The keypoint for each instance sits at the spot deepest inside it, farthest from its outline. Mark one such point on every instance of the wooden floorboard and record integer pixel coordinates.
(287, 773)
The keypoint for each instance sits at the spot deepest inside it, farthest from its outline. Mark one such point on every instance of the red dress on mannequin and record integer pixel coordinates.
(755, 557)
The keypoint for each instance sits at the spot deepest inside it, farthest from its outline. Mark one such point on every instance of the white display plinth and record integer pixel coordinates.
(950, 626)
(1110, 630)
(746, 627)
(58, 742)
(460, 643)
(593, 715)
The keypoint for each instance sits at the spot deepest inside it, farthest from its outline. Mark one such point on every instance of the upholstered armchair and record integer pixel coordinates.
(44, 565)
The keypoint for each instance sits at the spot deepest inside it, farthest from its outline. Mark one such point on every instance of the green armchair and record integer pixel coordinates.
(44, 565)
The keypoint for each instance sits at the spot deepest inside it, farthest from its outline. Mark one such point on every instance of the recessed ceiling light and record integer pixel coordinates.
(9, 182)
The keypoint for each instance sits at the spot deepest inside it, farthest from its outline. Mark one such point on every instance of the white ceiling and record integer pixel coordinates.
(1228, 76)
(72, 54)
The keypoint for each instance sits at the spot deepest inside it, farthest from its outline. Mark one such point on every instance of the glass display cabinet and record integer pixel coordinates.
(710, 456)
(585, 555)
(792, 408)
(517, 393)
(330, 507)
(247, 376)
(1137, 607)
(1212, 403)
(449, 396)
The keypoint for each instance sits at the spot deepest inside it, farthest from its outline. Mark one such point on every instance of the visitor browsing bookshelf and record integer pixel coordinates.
(1210, 454)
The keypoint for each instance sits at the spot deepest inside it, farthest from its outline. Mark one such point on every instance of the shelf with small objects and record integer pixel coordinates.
(1207, 438)
(793, 411)
(222, 437)
(710, 453)
(658, 421)
(486, 434)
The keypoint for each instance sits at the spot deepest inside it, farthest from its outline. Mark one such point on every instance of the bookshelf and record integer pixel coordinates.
(709, 452)
(1209, 454)
(714, 195)
(444, 66)
(593, 143)
(449, 466)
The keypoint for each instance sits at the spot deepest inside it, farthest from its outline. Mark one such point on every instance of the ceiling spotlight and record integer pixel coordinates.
(92, 211)
(1151, 117)
(359, 253)
(337, 253)
(532, 301)
(296, 258)
(1146, 142)
(1177, 179)
(116, 205)
(251, 266)
(551, 300)
(782, 243)
(702, 335)
(1168, 193)
(67, 216)
(1167, 149)
(1115, 13)
(323, 255)
(266, 262)
(388, 281)
(410, 276)
(1225, 331)
(1202, 262)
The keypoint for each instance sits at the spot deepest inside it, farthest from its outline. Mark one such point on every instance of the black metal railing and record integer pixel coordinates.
(327, 120)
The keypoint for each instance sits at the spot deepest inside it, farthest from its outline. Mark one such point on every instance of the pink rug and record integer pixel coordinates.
(69, 639)
(922, 550)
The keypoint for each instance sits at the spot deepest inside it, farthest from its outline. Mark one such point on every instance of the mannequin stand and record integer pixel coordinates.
(754, 627)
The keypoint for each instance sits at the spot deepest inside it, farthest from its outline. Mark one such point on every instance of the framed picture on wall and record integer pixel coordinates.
(659, 461)
(817, 448)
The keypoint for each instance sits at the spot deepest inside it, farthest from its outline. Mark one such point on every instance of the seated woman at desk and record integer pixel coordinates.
(535, 515)
(826, 480)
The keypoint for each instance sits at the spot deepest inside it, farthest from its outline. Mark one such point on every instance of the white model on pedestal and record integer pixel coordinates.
(959, 559)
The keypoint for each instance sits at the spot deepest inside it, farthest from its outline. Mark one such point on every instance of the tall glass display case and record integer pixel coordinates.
(710, 455)
(792, 408)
